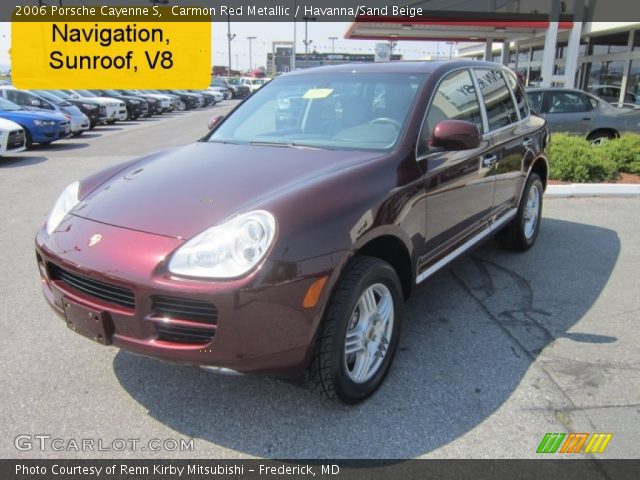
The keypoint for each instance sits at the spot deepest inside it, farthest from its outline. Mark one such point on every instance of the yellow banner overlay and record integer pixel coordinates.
(98, 52)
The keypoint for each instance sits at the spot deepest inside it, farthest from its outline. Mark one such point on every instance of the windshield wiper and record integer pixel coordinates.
(287, 145)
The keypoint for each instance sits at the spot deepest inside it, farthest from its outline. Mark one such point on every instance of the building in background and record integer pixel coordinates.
(552, 48)
(280, 60)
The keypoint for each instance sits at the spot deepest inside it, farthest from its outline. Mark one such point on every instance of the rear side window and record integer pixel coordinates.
(521, 99)
(501, 111)
(454, 99)
(535, 100)
(566, 102)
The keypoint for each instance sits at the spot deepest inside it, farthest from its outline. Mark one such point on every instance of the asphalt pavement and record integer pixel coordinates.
(496, 350)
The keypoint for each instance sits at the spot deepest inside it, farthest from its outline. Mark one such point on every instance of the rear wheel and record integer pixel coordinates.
(360, 332)
(521, 233)
(598, 138)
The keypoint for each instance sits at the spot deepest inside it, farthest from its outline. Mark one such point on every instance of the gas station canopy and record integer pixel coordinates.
(450, 29)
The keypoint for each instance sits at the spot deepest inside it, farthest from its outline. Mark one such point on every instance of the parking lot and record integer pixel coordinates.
(497, 350)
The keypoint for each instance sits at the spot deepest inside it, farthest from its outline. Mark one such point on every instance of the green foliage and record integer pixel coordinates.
(625, 152)
(574, 159)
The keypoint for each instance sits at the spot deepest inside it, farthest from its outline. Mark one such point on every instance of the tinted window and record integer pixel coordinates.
(455, 99)
(501, 111)
(521, 99)
(566, 102)
(535, 100)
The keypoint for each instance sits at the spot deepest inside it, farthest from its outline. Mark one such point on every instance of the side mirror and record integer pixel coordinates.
(451, 135)
(214, 121)
(36, 103)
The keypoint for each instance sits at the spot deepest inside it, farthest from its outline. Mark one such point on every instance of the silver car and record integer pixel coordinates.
(580, 113)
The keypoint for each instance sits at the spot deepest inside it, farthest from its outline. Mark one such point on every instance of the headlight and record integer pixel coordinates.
(228, 250)
(66, 201)
(89, 106)
(44, 123)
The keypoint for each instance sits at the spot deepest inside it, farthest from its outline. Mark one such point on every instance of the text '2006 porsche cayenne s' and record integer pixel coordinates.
(287, 240)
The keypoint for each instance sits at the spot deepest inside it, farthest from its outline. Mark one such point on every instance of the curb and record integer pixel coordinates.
(592, 190)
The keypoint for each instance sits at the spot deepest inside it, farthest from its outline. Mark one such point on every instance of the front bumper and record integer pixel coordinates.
(260, 326)
(79, 124)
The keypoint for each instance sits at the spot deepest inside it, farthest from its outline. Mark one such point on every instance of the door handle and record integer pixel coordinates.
(586, 119)
(527, 142)
(489, 160)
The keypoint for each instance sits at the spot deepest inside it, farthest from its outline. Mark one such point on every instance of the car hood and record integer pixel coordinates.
(181, 192)
(8, 125)
(32, 115)
(102, 100)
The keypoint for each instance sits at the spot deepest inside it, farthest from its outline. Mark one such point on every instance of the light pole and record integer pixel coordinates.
(229, 38)
(293, 54)
(333, 44)
(307, 42)
(250, 59)
(450, 50)
(392, 45)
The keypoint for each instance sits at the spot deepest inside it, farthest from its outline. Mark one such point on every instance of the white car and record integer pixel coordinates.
(253, 83)
(116, 109)
(165, 100)
(12, 138)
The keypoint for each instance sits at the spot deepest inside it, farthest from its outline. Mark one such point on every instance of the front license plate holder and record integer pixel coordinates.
(93, 324)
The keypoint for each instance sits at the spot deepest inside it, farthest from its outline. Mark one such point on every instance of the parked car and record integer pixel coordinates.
(91, 107)
(136, 107)
(188, 100)
(12, 138)
(580, 113)
(210, 97)
(226, 93)
(221, 82)
(254, 84)
(39, 126)
(115, 109)
(31, 101)
(238, 89)
(174, 99)
(290, 250)
(155, 105)
(91, 112)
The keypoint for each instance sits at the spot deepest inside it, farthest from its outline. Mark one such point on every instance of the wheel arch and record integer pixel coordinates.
(392, 250)
(605, 130)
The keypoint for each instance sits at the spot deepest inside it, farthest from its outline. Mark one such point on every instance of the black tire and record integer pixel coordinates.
(28, 139)
(598, 138)
(515, 235)
(328, 372)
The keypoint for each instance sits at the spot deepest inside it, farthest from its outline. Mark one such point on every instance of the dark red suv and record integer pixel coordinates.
(287, 240)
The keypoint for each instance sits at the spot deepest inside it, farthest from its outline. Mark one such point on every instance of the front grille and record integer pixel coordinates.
(100, 290)
(182, 334)
(16, 139)
(184, 309)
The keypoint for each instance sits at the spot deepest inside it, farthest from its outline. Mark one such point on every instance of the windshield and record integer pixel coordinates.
(52, 98)
(364, 111)
(7, 106)
(234, 81)
(85, 93)
(111, 93)
(61, 94)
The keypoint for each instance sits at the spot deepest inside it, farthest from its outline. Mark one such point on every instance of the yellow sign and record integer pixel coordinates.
(97, 52)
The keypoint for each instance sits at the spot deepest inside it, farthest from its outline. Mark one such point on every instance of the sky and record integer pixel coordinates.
(266, 33)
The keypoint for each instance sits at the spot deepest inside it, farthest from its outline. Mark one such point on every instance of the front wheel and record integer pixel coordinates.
(359, 337)
(521, 233)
